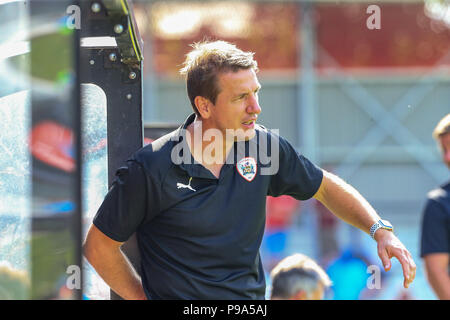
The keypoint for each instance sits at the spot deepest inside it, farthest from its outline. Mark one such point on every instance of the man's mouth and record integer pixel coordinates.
(249, 122)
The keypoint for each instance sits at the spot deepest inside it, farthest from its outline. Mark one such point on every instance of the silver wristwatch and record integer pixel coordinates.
(380, 224)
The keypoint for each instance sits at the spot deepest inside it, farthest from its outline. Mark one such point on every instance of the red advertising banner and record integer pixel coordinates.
(412, 35)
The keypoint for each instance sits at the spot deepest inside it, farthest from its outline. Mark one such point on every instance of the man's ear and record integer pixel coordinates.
(203, 106)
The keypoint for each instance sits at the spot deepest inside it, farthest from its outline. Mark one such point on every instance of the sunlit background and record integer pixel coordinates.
(359, 102)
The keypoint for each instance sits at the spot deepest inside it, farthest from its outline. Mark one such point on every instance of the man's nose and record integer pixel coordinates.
(253, 106)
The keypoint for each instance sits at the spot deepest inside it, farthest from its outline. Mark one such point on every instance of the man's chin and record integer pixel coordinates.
(245, 136)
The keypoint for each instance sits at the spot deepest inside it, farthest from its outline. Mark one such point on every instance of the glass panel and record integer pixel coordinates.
(95, 175)
(15, 168)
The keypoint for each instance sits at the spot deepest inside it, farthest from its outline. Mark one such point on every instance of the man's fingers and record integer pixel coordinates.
(406, 272)
(382, 253)
(392, 247)
(412, 265)
(408, 266)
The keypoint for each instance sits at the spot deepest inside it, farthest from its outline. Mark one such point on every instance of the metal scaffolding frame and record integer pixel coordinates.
(116, 67)
(387, 123)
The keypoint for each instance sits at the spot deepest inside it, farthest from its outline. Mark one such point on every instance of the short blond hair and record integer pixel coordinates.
(287, 273)
(206, 61)
(443, 127)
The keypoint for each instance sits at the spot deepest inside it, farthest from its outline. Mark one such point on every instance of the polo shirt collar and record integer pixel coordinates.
(193, 168)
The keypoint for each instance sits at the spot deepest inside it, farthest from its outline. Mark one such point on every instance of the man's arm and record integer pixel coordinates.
(436, 266)
(349, 205)
(112, 265)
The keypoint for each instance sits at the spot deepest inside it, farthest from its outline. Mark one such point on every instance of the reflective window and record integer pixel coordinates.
(15, 163)
(95, 175)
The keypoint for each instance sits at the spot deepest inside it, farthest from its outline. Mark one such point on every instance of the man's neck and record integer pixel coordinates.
(208, 145)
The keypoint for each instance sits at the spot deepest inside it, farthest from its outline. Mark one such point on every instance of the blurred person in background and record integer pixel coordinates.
(199, 225)
(280, 214)
(298, 277)
(348, 272)
(435, 243)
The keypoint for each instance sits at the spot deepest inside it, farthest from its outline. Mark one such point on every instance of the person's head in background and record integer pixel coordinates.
(442, 135)
(298, 277)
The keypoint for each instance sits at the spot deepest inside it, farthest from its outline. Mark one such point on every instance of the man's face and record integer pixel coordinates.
(237, 106)
(444, 142)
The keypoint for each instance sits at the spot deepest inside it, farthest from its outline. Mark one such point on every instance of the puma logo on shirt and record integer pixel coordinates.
(188, 186)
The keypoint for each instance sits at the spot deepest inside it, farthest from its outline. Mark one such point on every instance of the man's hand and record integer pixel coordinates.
(104, 254)
(349, 205)
(390, 246)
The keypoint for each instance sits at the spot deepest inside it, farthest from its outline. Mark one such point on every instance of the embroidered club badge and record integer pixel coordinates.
(247, 168)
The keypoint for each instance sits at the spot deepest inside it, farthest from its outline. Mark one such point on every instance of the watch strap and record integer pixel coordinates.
(377, 225)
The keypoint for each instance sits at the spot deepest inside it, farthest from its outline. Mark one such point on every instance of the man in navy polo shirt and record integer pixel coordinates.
(435, 238)
(196, 197)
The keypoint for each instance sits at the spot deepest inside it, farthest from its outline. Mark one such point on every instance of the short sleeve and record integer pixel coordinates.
(131, 201)
(435, 237)
(297, 176)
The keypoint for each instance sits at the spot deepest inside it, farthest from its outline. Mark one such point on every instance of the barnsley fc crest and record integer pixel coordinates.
(247, 168)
